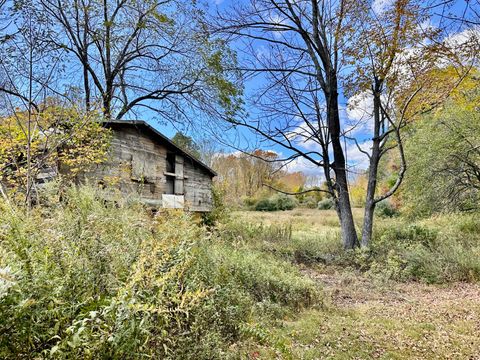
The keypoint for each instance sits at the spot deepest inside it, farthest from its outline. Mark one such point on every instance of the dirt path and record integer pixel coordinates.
(368, 319)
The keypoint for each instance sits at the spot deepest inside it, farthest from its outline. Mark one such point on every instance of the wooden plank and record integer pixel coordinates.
(173, 201)
(179, 188)
(198, 193)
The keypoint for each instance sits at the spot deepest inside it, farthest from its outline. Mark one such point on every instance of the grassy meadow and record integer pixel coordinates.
(383, 304)
(81, 278)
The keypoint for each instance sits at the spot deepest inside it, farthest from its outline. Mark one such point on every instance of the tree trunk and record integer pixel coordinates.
(344, 208)
(369, 203)
(86, 85)
(373, 168)
(107, 107)
(347, 225)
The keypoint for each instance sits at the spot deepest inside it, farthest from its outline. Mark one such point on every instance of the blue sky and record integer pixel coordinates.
(245, 139)
(359, 114)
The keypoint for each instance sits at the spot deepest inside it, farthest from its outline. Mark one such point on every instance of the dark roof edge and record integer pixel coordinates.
(164, 138)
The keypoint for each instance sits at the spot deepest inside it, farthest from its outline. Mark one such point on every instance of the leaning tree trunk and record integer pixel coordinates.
(344, 208)
(347, 225)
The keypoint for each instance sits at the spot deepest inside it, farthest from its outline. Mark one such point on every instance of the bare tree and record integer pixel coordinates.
(302, 60)
(308, 52)
(134, 55)
(383, 70)
(25, 72)
(119, 56)
(37, 122)
(400, 52)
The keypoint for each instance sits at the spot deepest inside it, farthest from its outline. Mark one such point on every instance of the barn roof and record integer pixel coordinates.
(158, 136)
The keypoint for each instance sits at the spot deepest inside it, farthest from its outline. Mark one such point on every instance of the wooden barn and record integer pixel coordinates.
(145, 162)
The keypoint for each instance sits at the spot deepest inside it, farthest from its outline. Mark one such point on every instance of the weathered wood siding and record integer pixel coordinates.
(137, 164)
(198, 188)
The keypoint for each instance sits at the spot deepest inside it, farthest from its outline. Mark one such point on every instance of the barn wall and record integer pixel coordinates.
(198, 188)
(137, 164)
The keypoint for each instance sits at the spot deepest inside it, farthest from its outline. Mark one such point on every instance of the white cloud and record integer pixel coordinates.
(356, 158)
(359, 107)
(279, 23)
(277, 19)
(359, 114)
(261, 53)
(380, 6)
(305, 166)
(465, 45)
(302, 136)
(357, 120)
(471, 35)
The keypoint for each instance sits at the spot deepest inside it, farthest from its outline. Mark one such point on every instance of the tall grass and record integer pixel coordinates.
(441, 249)
(86, 278)
(298, 243)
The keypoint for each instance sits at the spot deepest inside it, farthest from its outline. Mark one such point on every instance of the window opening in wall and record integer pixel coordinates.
(170, 185)
(170, 168)
(174, 175)
(171, 162)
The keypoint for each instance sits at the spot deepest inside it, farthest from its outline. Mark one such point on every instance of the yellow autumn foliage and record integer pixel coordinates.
(358, 191)
(58, 137)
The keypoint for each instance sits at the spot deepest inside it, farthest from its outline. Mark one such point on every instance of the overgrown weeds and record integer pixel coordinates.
(439, 250)
(86, 278)
(283, 241)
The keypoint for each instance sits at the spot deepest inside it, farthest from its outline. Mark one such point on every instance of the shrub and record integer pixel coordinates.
(249, 201)
(65, 260)
(156, 312)
(440, 250)
(265, 278)
(385, 209)
(219, 211)
(318, 248)
(469, 224)
(266, 205)
(310, 203)
(326, 204)
(406, 235)
(278, 202)
(90, 278)
(285, 202)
